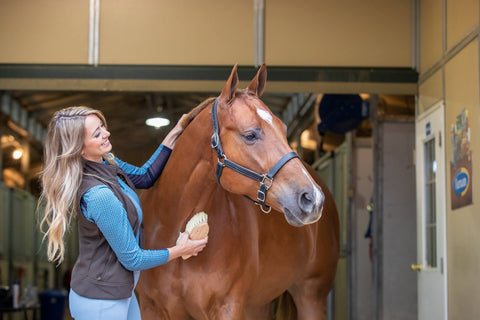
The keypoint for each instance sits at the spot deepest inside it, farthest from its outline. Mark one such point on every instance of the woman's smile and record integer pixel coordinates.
(95, 142)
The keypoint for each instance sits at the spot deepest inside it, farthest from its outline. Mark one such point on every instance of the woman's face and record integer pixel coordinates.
(95, 142)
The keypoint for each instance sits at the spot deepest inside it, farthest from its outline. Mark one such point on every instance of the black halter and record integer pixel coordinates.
(266, 180)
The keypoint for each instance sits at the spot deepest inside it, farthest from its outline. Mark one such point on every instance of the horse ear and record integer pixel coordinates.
(230, 88)
(257, 85)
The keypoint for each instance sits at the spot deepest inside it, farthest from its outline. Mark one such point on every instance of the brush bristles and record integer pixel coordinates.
(196, 220)
(197, 228)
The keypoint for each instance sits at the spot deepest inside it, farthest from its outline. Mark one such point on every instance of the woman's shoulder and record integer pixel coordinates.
(98, 193)
(98, 201)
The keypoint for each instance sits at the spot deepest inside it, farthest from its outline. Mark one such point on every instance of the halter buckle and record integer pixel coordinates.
(261, 196)
(224, 157)
(214, 141)
(262, 192)
(269, 180)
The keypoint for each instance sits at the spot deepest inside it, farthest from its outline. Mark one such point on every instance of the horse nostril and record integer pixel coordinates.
(306, 202)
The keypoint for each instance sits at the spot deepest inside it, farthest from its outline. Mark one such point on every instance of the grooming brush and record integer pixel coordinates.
(197, 227)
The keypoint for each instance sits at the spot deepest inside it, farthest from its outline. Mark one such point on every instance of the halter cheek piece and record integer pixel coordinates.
(266, 180)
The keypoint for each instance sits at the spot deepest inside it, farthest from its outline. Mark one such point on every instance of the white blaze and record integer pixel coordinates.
(265, 115)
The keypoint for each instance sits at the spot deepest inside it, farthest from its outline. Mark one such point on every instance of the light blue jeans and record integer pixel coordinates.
(82, 308)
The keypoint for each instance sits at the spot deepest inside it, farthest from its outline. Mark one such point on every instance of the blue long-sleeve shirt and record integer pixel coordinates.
(100, 206)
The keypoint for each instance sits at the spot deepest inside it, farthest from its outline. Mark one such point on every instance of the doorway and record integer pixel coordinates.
(431, 214)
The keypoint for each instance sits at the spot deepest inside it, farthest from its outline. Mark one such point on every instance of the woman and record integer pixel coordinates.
(83, 179)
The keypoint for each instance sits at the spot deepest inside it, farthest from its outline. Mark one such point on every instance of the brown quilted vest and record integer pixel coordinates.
(97, 273)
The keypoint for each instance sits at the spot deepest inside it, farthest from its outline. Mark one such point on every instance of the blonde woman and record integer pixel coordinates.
(82, 179)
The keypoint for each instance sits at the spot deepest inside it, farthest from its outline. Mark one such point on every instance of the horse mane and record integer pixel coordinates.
(195, 111)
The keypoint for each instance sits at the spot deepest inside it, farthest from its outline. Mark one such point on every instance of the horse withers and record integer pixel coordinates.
(233, 161)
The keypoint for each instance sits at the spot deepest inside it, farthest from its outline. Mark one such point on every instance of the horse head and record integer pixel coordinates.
(254, 157)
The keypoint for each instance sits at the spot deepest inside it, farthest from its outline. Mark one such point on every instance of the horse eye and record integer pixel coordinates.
(250, 137)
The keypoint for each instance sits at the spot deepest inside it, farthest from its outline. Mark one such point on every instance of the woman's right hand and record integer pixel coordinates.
(187, 247)
(171, 139)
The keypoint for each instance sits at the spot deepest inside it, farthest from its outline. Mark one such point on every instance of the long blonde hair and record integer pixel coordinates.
(62, 175)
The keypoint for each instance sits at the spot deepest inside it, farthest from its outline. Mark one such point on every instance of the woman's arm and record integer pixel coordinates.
(171, 139)
(102, 207)
(146, 176)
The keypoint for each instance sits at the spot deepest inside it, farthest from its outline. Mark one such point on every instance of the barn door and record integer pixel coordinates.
(431, 215)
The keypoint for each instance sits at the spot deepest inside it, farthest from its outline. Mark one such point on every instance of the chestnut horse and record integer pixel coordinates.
(251, 257)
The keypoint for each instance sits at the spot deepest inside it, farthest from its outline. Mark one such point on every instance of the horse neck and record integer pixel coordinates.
(188, 181)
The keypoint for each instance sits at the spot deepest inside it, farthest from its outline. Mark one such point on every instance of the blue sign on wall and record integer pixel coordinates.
(461, 174)
(460, 182)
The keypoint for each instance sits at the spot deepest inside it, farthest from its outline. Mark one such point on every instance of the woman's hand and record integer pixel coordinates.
(187, 247)
(171, 138)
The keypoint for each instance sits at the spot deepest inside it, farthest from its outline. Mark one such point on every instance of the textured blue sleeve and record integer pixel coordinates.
(146, 176)
(101, 206)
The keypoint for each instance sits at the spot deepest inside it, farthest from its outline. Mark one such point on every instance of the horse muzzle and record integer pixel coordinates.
(303, 206)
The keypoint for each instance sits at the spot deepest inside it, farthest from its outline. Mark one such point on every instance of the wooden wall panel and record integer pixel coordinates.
(431, 34)
(462, 17)
(372, 33)
(461, 92)
(53, 31)
(207, 32)
(430, 92)
(338, 33)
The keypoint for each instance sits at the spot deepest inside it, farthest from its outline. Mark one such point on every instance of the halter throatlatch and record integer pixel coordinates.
(266, 180)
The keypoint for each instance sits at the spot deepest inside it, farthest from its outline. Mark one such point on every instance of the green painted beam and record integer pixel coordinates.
(208, 73)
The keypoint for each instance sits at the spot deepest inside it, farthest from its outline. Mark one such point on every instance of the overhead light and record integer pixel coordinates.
(17, 154)
(157, 122)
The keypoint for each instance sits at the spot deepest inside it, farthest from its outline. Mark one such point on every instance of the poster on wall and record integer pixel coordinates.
(461, 165)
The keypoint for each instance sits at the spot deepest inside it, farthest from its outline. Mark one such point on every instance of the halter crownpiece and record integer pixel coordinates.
(266, 180)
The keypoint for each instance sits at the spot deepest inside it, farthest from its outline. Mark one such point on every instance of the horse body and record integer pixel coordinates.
(251, 257)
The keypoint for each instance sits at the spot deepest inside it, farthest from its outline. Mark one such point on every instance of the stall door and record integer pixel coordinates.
(431, 215)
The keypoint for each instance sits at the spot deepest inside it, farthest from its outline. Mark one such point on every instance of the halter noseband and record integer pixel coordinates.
(266, 180)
